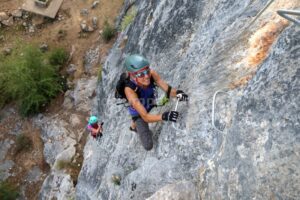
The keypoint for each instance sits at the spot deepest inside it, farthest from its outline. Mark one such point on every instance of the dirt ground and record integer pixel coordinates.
(66, 32)
(27, 159)
(56, 33)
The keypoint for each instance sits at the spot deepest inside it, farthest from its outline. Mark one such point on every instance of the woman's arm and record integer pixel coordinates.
(162, 84)
(94, 131)
(138, 106)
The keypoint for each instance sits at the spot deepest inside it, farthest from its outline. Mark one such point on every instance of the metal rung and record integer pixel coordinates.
(176, 128)
(285, 13)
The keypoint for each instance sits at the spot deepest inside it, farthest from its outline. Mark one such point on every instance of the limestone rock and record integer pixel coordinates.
(91, 58)
(17, 13)
(4, 147)
(84, 89)
(95, 22)
(3, 16)
(34, 174)
(31, 29)
(8, 22)
(44, 47)
(66, 155)
(57, 138)
(75, 120)
(84, 26)
(57, 186)
(95, 4)
(177, 191)
(71, 69)
(7, 51)
(84, 12)
(5, 168)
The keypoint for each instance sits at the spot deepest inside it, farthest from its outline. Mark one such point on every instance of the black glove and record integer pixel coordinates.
(182, 96)
(170, 116)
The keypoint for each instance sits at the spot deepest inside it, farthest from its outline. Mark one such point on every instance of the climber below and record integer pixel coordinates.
(140, 94)
(94, 127)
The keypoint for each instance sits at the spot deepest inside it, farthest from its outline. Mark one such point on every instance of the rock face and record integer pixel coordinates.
(202, 47)
(59, 142)
(181, 190)
(260, 157)
(5, 165)
(59, 146)
(61, 187)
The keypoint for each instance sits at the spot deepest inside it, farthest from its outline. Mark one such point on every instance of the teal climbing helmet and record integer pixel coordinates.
(134, 63)
(93, 120)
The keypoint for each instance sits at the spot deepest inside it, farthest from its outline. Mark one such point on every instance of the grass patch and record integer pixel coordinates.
(8, 191)
(20, 27)
(28, 78)
(58, 57)
(116, 179)
(108, 32)
(23, 143)
(62, 164)
(71, 168)
(128, 18)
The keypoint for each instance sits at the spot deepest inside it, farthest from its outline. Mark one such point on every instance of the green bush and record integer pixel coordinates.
(58, 57)
(8, 191)
(27, 78)
(128, 18)
(116, 179)
(23, 143)
(108, 31)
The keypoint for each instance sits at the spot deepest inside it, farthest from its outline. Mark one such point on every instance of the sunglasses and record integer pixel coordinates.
(142, 73)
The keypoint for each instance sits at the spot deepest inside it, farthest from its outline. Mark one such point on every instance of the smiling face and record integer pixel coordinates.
(142, 77)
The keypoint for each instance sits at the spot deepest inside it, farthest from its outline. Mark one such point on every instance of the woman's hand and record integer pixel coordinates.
(170, 116)
(181, 95)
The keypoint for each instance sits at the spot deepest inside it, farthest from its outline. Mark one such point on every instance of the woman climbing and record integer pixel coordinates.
(139, 92)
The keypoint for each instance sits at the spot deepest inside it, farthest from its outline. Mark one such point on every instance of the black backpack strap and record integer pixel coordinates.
(169, 91)
(131, 85)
